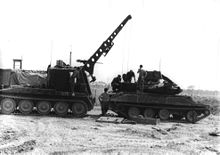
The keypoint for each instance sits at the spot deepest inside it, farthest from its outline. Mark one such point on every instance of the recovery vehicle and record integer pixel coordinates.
(67, 89)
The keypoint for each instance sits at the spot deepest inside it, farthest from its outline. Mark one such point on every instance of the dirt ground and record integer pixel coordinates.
(56, 135)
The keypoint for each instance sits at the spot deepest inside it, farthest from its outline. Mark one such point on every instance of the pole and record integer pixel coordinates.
(70, 58)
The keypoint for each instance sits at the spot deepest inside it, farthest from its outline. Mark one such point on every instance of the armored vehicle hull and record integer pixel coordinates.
(160, 106)
(27, 100)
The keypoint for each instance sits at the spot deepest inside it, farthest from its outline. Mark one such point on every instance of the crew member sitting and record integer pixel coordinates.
(130, 75)
(124, 77)
(116, 83)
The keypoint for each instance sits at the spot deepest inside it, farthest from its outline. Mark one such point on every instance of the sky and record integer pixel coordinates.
(179, 38)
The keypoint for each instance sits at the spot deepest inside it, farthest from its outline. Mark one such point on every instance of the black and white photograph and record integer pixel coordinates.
(110, 77)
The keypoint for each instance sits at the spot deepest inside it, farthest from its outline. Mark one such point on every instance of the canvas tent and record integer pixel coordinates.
(22, 77)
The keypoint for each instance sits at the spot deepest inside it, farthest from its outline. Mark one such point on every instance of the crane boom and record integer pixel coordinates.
(103, 49)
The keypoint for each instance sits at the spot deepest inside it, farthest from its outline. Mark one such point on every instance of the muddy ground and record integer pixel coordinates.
(56, 135)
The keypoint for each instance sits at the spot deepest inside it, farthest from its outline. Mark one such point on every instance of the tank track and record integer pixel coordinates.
(171, 113)
(5, 108)
(35, 113)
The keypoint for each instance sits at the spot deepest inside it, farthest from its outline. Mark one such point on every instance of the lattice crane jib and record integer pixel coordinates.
(103, 49)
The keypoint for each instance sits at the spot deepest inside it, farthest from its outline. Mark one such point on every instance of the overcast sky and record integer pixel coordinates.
(181, 35)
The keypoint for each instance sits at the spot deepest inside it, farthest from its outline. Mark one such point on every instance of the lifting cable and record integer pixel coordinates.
(127, 38)
(129, 41)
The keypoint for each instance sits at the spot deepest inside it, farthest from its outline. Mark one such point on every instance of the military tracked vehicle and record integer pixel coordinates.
(155, 99)
(66, 90)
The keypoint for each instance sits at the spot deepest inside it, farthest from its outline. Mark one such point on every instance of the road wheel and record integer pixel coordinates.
(43, 107)
(25, 106)
(8, 106)
(191, 116)
(79, 109)
(149, 113)
(61, 108)
(164, 114)
(207, 112)
(133, 112)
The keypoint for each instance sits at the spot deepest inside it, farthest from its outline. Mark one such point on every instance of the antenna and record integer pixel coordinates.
(128, 49)
(160, 69)
(122, 65)
(51, 51)
(70, 63)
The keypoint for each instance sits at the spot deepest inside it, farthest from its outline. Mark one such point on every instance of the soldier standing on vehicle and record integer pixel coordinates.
(103, 99)
(142, 75)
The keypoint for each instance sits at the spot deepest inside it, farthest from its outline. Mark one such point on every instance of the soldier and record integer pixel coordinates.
(142, 75)
(73, 81)
(48, 75)
(103, 99)
(130, 75)
(116, 83)
(124, 77)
